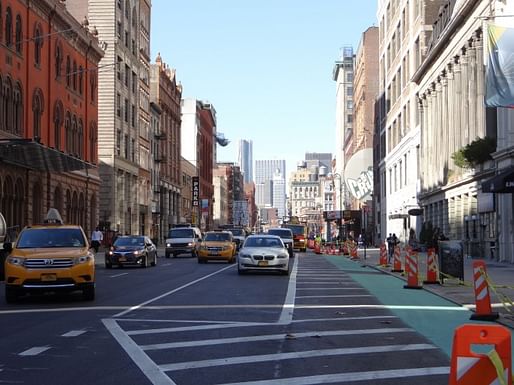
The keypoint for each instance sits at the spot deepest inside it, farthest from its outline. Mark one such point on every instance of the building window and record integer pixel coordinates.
(38, 44)
(68, 71)
(58, 118)
(80, 137)
(133, 150)
(74, 136)
(18, 35)
(127, 75)
(92, 84)
(126, 110)
(126, 146)
(134, 82)
(118, 142)
(118, 105)
(37, 112)
(67, 130)
(133, 116)
(74, 78)
(58, 60)
(81, 79)
(8, 27)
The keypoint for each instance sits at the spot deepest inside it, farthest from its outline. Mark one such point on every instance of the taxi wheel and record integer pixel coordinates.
(11, 294)
(89, 293)
(144, 262)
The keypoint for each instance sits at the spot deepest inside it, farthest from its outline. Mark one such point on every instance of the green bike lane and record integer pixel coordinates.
(432, 316)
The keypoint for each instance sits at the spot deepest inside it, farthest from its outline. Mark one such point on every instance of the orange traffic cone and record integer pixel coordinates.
(432, 267)
(471, 368)
(411, 267)
(383, 255)
(353, 251)
(482, 298)
(397, 262)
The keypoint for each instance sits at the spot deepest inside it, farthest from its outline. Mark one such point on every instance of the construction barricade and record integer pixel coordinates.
(354, 254)
(469, 366)
(432, 267)
(397, 261)
(411, 268)
(383, 255)
(483, 310)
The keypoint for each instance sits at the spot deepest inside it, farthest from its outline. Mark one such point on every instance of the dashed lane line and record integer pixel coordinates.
(271, 337)
(73, 333)
(286, 315)
(293, 355)
(117, 275)
(34, 351)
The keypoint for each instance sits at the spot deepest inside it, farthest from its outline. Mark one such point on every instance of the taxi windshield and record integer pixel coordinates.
(50, 237)
(217, 237)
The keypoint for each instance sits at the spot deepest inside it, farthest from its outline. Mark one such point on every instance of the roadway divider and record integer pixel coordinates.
(481, 354)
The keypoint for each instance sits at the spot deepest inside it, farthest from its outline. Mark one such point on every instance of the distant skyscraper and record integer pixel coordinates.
(245, 159)
(264, 169)
(270, 182)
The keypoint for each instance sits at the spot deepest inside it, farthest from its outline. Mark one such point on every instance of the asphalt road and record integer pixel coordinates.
(331, 321)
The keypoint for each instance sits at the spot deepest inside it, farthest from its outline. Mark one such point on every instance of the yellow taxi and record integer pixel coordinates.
(217, 245)
(48, 258)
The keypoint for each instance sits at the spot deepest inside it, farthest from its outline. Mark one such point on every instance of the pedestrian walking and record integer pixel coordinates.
(390, 247)
(96, 239)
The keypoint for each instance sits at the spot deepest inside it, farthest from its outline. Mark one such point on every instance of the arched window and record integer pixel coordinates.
(58, 119)
(58, 199)
(74, 75)
(38, 44)
(18, 34)
(7, 104)
(37, 203)
(80, 139)
(37, 112)
(8, 27)
(68, 71)
(81, 79)
(68, 133)
(92, 84)
(58, 60)
(134, 18)
(74, 136)
(93, 140)
(18, 109)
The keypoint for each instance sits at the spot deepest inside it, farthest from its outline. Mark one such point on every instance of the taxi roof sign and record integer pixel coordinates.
(53, 216)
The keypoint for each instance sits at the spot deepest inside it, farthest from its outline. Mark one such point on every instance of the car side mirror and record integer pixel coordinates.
(8, 247)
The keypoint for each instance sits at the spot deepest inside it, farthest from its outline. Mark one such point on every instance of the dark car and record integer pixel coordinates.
(239, 235)
(287, 237)
(135, 250)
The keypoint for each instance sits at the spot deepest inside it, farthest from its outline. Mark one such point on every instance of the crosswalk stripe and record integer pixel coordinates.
(34, 351)
(270, 337)
(293, 355)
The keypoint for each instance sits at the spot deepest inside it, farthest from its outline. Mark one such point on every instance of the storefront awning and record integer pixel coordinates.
(35, 156)
(501, 183)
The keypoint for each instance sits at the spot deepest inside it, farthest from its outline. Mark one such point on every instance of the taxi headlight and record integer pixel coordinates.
(82, 259)
(190, 244)
(168, 244)
(15, 261)
(137, 252)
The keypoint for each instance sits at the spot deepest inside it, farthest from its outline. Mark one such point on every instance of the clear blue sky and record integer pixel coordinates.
(265, 65)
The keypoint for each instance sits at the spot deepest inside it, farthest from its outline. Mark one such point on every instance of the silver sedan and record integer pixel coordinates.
(263, 253)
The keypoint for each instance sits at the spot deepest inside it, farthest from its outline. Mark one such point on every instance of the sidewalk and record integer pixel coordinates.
(500, 274)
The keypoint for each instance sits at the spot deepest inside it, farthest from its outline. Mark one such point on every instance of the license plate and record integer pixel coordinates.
(122, 259)
(263, 263)
(215, 253)
(48, 277)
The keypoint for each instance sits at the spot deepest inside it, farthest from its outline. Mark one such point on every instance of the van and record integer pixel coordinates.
(183, 240)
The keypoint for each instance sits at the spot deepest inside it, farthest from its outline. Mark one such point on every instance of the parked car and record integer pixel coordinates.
(217, 245)
(183, 240)
(263, 252)
(137, 250)
(287, 237)
(49, 257)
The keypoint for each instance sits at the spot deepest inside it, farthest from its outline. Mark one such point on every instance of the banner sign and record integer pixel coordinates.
(500, 67)
(196, 192)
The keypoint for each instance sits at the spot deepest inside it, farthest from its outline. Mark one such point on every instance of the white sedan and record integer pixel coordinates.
(263, 253)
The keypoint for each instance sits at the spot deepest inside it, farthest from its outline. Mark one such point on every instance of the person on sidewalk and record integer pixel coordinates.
(390, 247)
(96, 239)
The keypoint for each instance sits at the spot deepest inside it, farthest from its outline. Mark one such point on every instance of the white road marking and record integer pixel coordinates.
(334, 296)
(73, 333)
(147, 366)
(351, 377)
(132, 308)
(271, 337)
(330, 288)
(117, 275)
(294, 355)
(193, 328)
(286, 315)
(34, 351)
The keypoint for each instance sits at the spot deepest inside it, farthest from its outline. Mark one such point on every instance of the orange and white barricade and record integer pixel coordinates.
(354, 254)
(471, 368)
(432, 267)
(397, 262)
(483, 310)
(411, 268)
(383, 255)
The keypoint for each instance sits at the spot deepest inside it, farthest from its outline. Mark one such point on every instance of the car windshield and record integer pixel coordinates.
(282, 233)
(51, 237)
(129, 241)
(237, 231)
(220, 237)
(263, 242)
(180, 233)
